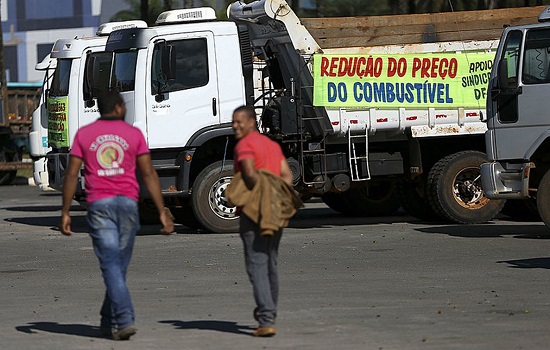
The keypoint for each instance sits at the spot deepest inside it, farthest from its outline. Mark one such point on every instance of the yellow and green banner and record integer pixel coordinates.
(58, 128)
(402, 80)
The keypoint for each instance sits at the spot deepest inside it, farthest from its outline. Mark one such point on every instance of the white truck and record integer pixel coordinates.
(38, 137)
(183, 78)
(63, 91)
(518, 135)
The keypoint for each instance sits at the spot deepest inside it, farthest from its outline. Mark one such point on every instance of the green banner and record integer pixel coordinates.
(402, 80)
(58, 127)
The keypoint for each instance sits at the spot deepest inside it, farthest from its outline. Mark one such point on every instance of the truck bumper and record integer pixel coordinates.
(57, 164)
(40, 174)
(503, 180)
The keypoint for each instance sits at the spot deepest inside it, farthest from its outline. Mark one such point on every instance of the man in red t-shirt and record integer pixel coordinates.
(111, 149)
(255, 151)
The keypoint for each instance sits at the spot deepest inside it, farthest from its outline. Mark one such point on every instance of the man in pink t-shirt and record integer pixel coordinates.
(110, 150)
(255, 151)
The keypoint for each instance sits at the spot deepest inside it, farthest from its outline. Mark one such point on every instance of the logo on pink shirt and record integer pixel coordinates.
(110, 154)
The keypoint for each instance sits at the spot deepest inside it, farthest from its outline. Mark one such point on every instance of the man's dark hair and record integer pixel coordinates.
(107, 101)
(249, 111)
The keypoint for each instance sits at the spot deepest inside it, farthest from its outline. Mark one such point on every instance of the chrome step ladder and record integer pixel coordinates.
(355, 161)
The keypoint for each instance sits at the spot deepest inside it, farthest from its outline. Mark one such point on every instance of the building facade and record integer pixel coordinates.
(30, 28)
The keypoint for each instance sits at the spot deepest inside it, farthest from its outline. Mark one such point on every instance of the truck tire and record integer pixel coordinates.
(454, 189)
(7, 177)
(208, 198)
(543, 199)
(414, 199)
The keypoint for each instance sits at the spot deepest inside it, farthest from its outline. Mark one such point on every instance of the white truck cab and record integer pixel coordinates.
(63, 68)
(38, 137)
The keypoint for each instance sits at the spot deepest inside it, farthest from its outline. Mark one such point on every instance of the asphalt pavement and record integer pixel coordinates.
(346, 283)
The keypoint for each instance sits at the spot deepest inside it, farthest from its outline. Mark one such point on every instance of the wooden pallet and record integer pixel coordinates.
(418, 28)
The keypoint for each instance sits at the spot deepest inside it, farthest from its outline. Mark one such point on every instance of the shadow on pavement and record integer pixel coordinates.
(54, 327)
(321, 217)
(212, 325)
(534, 231)
(44, 208)
(534, 263)
(78, 223)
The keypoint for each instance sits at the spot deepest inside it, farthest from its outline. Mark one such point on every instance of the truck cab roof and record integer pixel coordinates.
(73, 48)
(139, 38)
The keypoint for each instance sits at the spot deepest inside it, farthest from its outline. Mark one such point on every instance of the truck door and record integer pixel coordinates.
(182, 95)
(523, 85)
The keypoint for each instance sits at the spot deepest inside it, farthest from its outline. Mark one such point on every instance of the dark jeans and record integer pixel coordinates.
(260, 255)
(114, 223)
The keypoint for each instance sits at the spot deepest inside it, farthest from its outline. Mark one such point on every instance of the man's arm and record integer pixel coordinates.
(69, 189)
(286, 173)
(249, 172)
(151, 180)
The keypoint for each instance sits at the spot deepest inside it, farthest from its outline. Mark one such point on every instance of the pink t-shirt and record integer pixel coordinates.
(109, 149)
(267, 154)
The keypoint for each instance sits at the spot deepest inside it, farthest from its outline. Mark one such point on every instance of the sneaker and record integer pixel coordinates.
(264, 332)
(255, 313)
(124, 333)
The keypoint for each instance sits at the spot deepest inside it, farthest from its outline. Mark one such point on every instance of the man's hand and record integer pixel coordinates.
(152, 183)
(167, 222)
(65, 224)
(69, 188)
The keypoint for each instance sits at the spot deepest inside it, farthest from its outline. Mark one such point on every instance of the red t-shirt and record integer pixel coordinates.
(267, 154)
(109, 149)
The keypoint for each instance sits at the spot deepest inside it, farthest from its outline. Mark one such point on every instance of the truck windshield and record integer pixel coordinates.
(60, 82)
(536, 60)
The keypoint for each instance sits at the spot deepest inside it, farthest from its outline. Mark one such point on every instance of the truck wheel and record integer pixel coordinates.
(543, 199)
(380, 198)
(455, 192)
(7, 177)
(209, 201)
(414, 199)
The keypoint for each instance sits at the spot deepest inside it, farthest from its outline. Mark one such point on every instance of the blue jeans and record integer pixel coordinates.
(114, 223)
(261, 255)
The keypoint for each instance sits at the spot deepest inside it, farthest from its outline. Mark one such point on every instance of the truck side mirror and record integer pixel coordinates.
(89, 81)
(169, 61)
(503, 74)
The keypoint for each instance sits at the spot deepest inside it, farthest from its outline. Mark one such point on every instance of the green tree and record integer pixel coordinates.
(151, 9)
